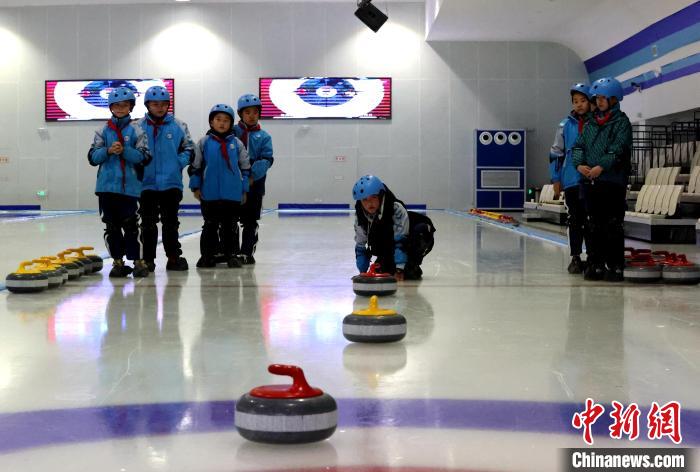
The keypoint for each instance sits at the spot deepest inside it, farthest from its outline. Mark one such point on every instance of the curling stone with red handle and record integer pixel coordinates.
(678, 270)
(642, 270)
(374, 282)
(286, 414)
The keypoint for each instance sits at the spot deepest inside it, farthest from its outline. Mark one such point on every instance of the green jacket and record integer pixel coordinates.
(608, 145)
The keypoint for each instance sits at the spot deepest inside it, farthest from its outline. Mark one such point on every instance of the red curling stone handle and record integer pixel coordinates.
(300, 388)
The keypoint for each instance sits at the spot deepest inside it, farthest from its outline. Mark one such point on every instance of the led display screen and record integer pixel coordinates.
(326, 97)
(85, 100)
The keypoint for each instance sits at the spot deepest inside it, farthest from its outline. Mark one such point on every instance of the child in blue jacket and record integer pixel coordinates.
(121, 150)
(259, 145)
(172, 149)
(219, 180)
(399, 238)
(564, 175)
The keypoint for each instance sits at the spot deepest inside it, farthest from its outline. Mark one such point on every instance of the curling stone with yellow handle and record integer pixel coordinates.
(97, 262)
(67, 254)
(374, 325)
(52, 261)
(72, 265)
(27, 279)
(86, 261)
(52, 272)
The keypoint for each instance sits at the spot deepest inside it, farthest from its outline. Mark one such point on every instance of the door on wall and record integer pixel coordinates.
(500, 169)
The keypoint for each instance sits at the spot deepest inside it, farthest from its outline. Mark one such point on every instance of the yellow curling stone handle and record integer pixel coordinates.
(23, 268)
(373, 309)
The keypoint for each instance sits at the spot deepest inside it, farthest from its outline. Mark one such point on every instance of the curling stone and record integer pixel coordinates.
(374, 325)
(634, 253)
(662, 256)
(680, 271)
(286, 414)
(642, 271)
(81, 266)
(52, 261)
(26, 280)
(69, 264)
(86, 261)
(374, 282)
(54, 275)
(97, 262)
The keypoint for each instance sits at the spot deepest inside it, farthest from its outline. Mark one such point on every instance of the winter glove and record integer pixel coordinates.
(259, 168)
(362, 259)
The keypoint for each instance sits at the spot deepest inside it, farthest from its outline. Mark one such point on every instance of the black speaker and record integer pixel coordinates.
(371, 15)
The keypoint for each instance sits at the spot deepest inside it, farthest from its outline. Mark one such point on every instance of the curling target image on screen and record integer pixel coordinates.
(85, 100)
(326, 97)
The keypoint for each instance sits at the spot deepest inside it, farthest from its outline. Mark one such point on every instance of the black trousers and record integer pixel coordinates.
(606, 204)
(122, 235)
(250, 214)
(220, 220)
(160, 206)
(417, 245)
(577, 220)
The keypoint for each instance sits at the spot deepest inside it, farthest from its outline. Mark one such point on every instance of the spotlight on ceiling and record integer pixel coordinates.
(370, 15)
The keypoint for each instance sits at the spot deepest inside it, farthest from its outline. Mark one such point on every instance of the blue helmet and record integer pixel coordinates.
(157, 93)
(580, 88)
(121, 94)
(222, 108)
(607, 87)
(248, 100)
(367, 186)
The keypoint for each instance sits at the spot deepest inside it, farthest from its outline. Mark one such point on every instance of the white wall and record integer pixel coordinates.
(668, 98)
(215, 52)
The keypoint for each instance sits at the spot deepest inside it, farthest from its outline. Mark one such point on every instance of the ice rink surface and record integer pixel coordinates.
(503, 347)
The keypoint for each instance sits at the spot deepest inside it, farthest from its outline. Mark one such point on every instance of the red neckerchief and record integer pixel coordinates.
(155, 125)
(247, 129)
(224, 149)
(604, 119)
(122, 162)
(581, 122)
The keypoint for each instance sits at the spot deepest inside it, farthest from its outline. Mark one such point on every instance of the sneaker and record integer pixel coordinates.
(140, 268)
(151, 266)
(220, 259)
(246, 259)
(594, 272)
(614, 275)
(206, 262)
(177, 263)
(575, 266)
(234, 262)
(119, 270)
(412, 272)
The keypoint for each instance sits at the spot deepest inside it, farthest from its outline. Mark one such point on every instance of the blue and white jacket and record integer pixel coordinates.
(258, 142)
(215, 175)
(561, 167)
(385, 232)
(119, 173)
(172, 149)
